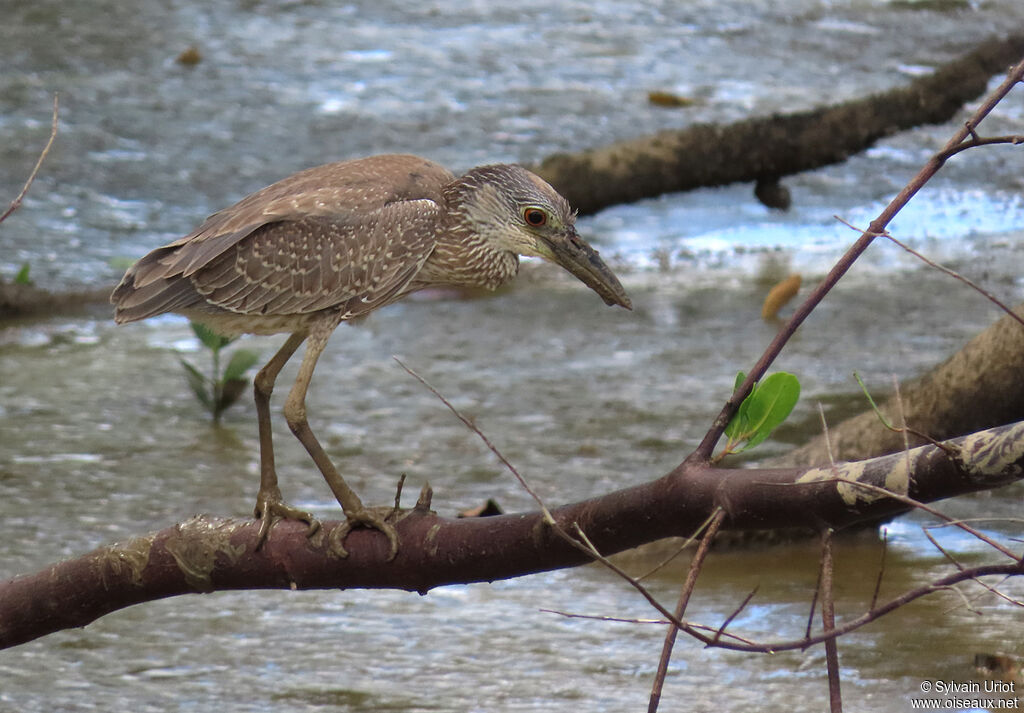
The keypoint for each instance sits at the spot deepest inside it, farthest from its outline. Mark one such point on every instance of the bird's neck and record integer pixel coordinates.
(462, 258)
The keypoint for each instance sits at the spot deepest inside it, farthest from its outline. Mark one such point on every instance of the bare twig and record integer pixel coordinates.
(926, 508)
(947, 583)
(16, 203)
(581, 542)
(938, 585)
(679, 550)
(828, 623)
(824, 432)
(494, 449)
(684, 599)
(881, 570)
(975, 141)
(956, 563)
(942, 268)
(661, 622)
(814, 606)
(1002, 595)
(735, 613)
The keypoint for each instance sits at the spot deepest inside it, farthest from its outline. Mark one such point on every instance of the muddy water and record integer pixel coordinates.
(100, 438)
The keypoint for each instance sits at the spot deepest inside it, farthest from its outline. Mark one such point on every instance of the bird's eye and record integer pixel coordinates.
(535, 217)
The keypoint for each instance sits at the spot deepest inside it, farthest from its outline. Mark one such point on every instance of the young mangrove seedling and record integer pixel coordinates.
(220, 389)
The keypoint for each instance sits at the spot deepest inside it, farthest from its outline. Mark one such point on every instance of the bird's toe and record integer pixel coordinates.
(377, 518)
(270, 509)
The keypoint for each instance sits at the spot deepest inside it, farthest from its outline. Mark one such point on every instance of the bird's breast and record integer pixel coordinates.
(467, 265)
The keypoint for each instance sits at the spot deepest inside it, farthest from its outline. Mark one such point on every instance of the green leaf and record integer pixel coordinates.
(740, 376)
(198, 382)
(209, 338)
(738, 426)
(22, 277)
(769, 405)
(241, 361)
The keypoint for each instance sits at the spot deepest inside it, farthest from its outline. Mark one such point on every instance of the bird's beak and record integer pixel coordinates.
(573, 253)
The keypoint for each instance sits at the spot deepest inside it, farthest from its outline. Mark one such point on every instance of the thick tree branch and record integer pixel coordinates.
(208, 554)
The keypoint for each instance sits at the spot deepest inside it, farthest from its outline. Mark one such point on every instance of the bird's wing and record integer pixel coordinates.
(315, 263)
(343, 191)
(346, 193)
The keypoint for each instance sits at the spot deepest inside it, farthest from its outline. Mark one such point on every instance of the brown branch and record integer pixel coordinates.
(942, 268)
(828, 623)
(684, 599)
(976, 141)
(207, 553)
(720, 632)
(16, 203)
(881, 570)
(938, 585)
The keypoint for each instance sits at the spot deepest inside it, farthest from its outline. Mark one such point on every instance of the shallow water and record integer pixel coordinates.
(100, 438)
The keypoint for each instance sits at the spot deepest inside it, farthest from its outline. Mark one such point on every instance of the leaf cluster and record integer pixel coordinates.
(768, 404)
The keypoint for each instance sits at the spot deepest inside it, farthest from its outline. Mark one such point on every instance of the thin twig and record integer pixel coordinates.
(950, 450)
(941, 584)
(828, 623)
(16, 203)
(942, 268)
(684, 599)
(1002, 595)
(814, 606)
(963, 597)
(956, 563)
(953, 560)
(881, 569)
(679, 550)
(919, 505)
(662, 622)
(824, 431)
(581, 542)
(494, 449)
(976, 141)
(735, 613)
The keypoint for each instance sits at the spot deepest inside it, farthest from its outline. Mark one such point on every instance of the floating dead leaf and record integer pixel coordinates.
(660, 98)
(190, 57)
(779, 295)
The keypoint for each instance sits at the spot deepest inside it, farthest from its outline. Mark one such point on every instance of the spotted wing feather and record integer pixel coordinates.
(313, 264)
(347, 195)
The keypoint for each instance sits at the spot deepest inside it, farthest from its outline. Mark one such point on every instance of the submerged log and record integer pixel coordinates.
(765, 148)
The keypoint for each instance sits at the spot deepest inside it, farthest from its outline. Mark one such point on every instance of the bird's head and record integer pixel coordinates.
(517, 211)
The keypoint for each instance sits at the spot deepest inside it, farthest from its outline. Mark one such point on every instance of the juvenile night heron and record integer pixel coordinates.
(336, 242)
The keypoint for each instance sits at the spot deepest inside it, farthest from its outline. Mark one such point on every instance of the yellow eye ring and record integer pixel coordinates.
(535, 217)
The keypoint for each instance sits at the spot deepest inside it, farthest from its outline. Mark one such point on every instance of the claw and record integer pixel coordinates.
(270, 508)
(364, 517)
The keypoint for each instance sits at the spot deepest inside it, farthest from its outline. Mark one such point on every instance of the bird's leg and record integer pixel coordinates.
(295, 413)
(269, 505)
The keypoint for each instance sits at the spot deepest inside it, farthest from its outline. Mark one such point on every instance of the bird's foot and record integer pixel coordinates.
(376, 518)
(270, 508)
